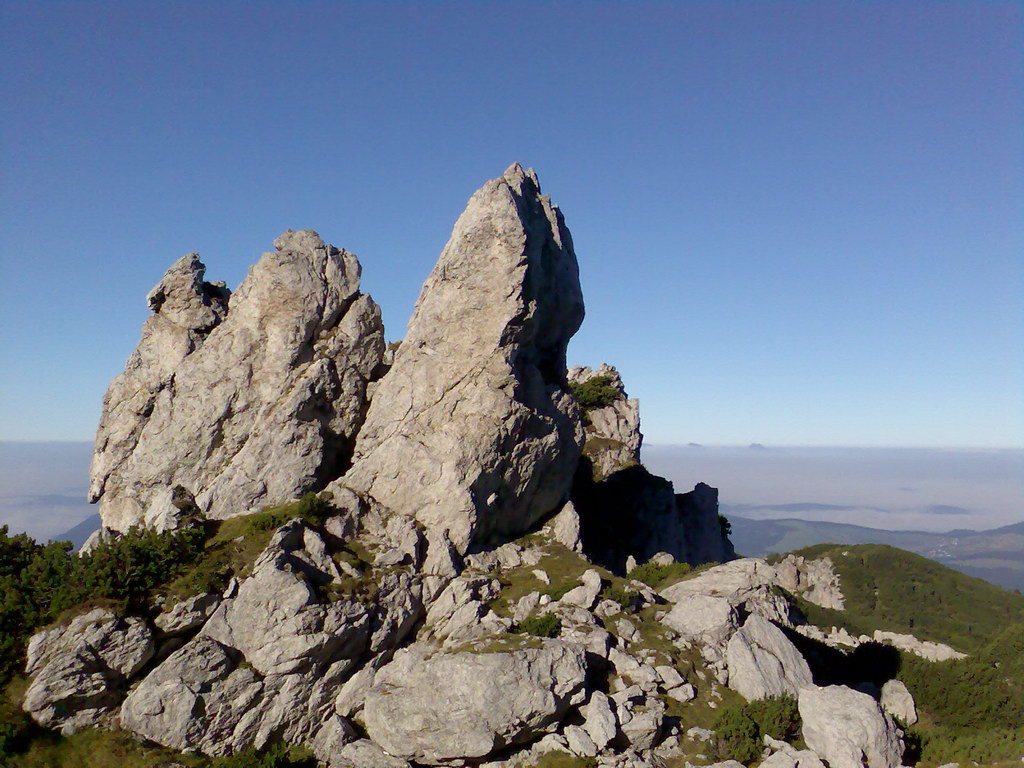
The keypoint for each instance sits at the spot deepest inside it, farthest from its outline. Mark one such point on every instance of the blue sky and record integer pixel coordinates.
(797, 223)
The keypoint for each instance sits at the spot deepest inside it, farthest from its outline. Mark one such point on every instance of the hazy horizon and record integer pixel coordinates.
(43, 484)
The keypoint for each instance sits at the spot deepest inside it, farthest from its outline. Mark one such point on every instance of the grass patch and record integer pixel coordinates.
(233, 545)
(654, 575)
(563, 567)
(92, 748)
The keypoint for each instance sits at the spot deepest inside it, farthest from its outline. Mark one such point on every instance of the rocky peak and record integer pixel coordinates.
(473, 430)
(257, 411)
(186, 300)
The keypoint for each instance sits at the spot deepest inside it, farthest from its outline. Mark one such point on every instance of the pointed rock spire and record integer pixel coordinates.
(474, 430)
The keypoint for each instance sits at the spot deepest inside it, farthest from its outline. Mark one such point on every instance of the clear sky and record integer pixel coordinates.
(797, 223)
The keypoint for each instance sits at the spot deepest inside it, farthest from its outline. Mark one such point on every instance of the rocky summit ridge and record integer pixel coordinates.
(490, 575)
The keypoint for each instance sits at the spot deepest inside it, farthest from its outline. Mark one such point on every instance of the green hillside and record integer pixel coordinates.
(897, 591)
(970, 709)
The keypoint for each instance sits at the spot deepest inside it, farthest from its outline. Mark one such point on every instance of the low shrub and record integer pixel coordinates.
(776, 716)
(626, 598)
(740, 728)
(595, 392)
(544, 625)
(654, 575)
(737, 736)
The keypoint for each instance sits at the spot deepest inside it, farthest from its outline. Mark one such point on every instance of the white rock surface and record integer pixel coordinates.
(926, 649)
(762, 662)
(430, 706)
(814, 580)
(187, 615)
(81, 669)
(898, 702)
(599, 719)
(565, 528)
(848, 729)
(703, 618)
(243, 409)
(487, 435)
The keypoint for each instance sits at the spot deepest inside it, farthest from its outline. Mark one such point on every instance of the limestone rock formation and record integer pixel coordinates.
(473, 430)
(814, 580)
(613, 436)
(462, 596)
(848, 729)
(625, 510)
(236, 405)
(80, 670)
(429, 706)
(762, 662)
(897, 701)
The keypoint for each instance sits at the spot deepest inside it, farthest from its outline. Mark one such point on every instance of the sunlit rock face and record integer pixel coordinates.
(474, 430)
(242, 402)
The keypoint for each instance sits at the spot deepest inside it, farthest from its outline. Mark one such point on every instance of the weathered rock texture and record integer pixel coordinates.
(80, 670)
(613, 431)
(393, 627)
(848, 729)
(430, 706)
(762, 662)
(473, 430)
(814, 580)
(241, 404)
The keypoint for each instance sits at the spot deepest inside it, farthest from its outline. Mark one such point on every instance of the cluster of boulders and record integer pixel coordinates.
(467, 601)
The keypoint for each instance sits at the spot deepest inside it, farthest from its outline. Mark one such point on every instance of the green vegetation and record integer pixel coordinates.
(564, 760)
(44, 583)
(625, 597)
(40, 582)
(974, 706)
(740, 727)
(544, 625)
(233, 545)
(971, 709)
(897, 591)
(654, 575)
(118, 749)
(595, 392)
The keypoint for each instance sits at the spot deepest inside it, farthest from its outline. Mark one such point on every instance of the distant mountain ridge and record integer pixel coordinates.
(995, 555)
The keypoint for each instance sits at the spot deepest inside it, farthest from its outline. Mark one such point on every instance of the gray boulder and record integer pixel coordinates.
(241, 404)
(848, 729)
(814, 580)
(897, 701)
(80, 670)
(746, 583)
(195, 699)
(473, 430)
(762, 662)
(430, 706)
(278, 622)
(704, 618)
(187, 615)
